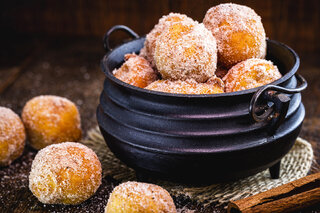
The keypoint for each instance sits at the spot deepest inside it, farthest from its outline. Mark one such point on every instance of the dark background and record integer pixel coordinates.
(54, 47)
(295, 22)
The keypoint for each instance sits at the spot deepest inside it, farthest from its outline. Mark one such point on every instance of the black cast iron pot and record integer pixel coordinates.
(201, 138)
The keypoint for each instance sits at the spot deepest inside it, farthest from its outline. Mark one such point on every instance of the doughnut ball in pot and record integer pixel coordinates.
(12, 136)
(51, 119)
(136, 71)
(150, 43)
(65, 173)
(186, 50)
(239, 32)
(213, 86)
(132, 197)
(249, 74)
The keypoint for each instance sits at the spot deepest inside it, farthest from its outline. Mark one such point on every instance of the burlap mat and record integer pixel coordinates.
(294, 165)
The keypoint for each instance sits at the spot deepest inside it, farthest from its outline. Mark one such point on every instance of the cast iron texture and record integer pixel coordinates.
(201, 138)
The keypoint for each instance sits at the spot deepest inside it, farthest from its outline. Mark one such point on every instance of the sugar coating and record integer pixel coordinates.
(250, 74)
(65, 173)
(51, 119)
(150, 43)
(186, 50)
(132, 197)
(12, 136)
(239, 32)
(213, 86)
(136, 71)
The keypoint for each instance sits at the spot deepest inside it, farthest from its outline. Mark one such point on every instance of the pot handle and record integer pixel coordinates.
(113, 29)
(273, 103)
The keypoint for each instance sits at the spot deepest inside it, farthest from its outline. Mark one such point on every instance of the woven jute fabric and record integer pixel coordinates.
(294, 165)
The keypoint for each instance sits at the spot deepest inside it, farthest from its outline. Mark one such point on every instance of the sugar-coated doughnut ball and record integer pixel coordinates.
(65, 173)
(186, 50)
(136, 71)
(250, 74)
(213, 86)
(239, 32)
(133, 197)
(51, 119)
(150, 43)
(12, 136)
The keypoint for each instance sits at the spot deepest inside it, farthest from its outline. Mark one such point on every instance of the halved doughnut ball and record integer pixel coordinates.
(51, 119)
(65, 173)
(239, 32)
(186, 50)
(132, 197)
(12, 136)
(136, 71)
(250, 74)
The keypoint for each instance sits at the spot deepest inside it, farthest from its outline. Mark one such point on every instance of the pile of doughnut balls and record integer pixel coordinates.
(61, 172)
(64, 172)
(224, 53)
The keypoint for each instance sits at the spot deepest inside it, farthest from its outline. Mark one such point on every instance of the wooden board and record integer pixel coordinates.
(295, 22)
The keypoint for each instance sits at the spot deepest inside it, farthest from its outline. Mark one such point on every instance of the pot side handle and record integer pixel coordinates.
(113, 29)
(270, 103)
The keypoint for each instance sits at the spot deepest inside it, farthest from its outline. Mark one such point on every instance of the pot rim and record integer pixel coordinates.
(284, 78)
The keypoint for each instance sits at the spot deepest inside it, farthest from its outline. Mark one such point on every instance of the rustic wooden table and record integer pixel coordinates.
(70, 67)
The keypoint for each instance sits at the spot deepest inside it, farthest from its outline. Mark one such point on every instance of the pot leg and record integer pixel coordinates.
(275, 170)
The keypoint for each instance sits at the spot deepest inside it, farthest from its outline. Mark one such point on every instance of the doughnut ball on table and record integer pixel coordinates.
(12, 136)
(51, 119)
(150, 43)
(239, 32)
(250, 74)
(213, 86)
(65, 173)
(186, 50)
(132, 197)
(136, 71)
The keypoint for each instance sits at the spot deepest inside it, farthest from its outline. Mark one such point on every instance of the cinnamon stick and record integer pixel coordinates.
(293, 196)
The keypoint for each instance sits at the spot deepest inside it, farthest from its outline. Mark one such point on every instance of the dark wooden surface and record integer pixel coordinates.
(69, 67)
(295, 22)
